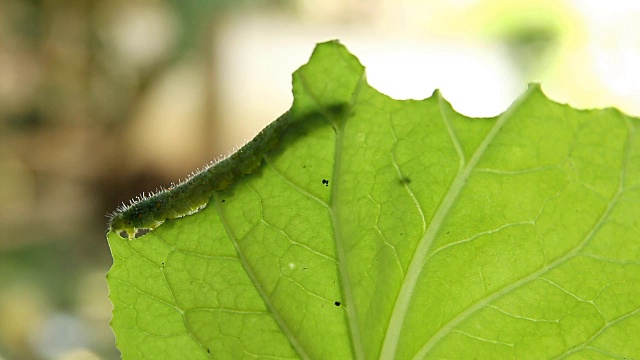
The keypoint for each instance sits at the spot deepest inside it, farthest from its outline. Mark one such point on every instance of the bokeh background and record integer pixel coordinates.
(101, 100)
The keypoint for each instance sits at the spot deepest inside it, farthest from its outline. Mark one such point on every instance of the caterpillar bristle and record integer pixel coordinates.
(150, 209)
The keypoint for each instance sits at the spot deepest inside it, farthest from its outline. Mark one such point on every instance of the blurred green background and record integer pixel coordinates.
(102, 100)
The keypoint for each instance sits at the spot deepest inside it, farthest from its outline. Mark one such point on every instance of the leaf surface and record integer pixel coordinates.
(400, 229)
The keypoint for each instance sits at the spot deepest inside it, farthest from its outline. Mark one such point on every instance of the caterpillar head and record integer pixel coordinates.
(131, 219)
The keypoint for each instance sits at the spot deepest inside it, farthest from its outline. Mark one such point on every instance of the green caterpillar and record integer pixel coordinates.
(192, 194)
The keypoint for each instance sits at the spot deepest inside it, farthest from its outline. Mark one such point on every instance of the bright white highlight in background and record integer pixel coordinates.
(478, 80)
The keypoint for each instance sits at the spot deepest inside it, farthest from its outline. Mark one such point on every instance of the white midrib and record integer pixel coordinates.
(354, 329)
(403, 300)
(356, 341)
(334, 209)
(545, 269)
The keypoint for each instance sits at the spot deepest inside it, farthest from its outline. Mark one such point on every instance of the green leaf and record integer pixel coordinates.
(400, 229)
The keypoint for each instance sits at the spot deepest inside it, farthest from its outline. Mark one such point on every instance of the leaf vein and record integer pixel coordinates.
(545, 269)
(294, 185)
(418, 261)
(396, 166)
(315, 252)
(345, 280)
(265, 297)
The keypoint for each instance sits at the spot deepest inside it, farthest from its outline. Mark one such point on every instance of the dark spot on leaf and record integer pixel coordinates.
(325, 182)
(223, 200)
(337, 303)
(162, 264)
(208, 350)
(405, 181)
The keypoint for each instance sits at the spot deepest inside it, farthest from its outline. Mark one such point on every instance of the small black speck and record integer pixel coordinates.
(162, 264)
(337, 303)
(208, 351)
(223, 200)
(325, 182)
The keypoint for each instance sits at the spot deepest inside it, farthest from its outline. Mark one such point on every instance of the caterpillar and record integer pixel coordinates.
(192, 194)
(147, 212)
